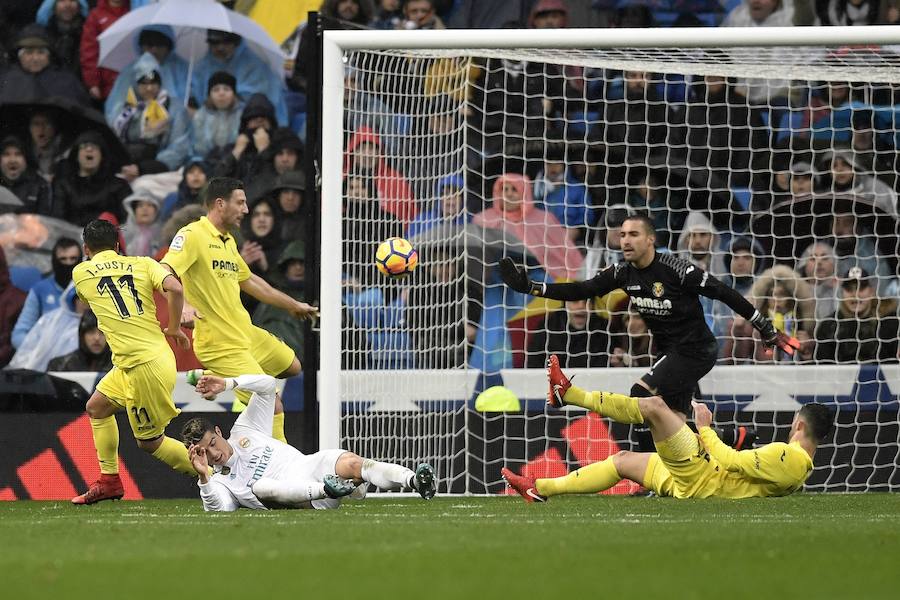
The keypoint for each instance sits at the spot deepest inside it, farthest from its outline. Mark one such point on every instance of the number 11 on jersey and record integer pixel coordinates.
(107, 286)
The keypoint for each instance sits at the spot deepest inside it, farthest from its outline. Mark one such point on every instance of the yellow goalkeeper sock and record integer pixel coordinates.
(174, 454)
(586, 480)
(106, 441)
(618, 407)
(278, 428)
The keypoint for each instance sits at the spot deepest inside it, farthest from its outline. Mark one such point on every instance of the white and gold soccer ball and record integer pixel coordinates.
(395, 257)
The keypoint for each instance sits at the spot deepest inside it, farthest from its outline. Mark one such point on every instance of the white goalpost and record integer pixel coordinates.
(773, 147)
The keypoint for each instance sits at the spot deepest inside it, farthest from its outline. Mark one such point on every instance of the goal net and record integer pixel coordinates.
(773, 167)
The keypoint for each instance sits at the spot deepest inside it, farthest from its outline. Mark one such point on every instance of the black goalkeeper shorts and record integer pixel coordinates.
(675, 374)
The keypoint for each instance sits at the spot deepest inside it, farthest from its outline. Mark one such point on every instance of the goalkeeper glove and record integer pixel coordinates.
(516, 278)
(771, 337)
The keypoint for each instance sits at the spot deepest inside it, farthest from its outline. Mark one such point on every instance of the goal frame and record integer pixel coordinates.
(336, 43)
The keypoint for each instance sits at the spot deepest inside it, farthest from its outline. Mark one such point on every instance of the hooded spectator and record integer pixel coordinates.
(245, 159)
(353, 11)
(843, 171)
(196, 174)
(744, 261)
(99, 80)
(153, 126)
(700, 244)
(217, 123)
(262, 243)
(12, 299)
(92, 354)
(35, 75)
(289, 276)
(365, 219)
(288, 195)
(158, 41)
(21, 178)
(64, 20)
(54, 334)
(85, 187)
(229, 53)
(142, 229)
(284, 155)
(449, 207)
(47, 145)
(364, 159)
(43, 297)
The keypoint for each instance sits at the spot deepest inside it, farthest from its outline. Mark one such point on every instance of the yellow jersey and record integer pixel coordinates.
(776, 469)
(119, 290)
(211, 269)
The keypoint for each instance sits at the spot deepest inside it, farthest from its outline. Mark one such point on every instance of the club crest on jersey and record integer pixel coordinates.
(658, 289)
(177, 242)
(244, 443)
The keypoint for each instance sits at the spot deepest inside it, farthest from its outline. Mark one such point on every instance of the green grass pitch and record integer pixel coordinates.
(805, 546)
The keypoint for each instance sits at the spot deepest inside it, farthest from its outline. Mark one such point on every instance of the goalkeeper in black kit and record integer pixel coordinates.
(664, 289)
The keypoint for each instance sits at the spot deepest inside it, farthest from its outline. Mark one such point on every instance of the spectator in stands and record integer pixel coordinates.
(745, 260)
(840, 172)
(549, 14)
(363, 108)
(64, 20)
(780, 294)
(47, 146)
(870, 151)
(92, 354)
(846, 12)
(774, 184)
(288, 194)
(854, 245)
(665, 207)
(802, 180)
(817, 265)
(196, 173)
(365, 219)
(442, 313)
(448, 208)
(262, 243)
(289, 276)
(475, 14)
(159, 42)
(152, 125)
(54, 334)
(556, 190)
(43, 297)
(700, 244)
(34, 77)
(12, 299)
(436, 133)
(141, 230)
(284, 155)
(604, 242)
(514, 213)
(857, 332)
(217, 123)
(228, 52)
(633, 349)
(575, 333)
(889, 13)
(21, 178)
(365, 159)
(358, 12)
(420, 14)
(245, 158)
(85, 187)
(99, 80)
(388, 15)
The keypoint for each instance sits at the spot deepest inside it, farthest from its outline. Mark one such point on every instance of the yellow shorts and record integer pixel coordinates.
(682, 468)
(145, 392)
(267, 354)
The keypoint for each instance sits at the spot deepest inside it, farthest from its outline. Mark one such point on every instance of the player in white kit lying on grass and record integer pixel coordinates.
(252, 469)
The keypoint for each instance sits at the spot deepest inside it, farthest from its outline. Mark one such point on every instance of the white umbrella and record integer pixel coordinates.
(190, 19)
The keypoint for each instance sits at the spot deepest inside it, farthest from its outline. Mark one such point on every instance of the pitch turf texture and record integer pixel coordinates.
(805, 546)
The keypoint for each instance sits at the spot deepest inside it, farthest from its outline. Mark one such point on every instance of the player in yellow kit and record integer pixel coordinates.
(119, 290)
(205, 256)
(685, 464)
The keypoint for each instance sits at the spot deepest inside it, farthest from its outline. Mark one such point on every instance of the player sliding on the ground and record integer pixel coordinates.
(252, 469)
(664, 289)
(685, 465)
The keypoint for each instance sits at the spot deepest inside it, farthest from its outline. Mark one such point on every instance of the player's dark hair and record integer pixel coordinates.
(220, 187)
(194, 430)
(818, 419)
(644, 220)
(100, 235)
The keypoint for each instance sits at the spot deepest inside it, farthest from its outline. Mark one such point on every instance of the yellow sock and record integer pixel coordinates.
(278, 428)
(106, 441)
(174, 454)
(586, 480)
(618, 407)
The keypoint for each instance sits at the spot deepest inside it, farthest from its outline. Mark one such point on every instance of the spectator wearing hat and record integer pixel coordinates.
(246, 158)
(159, 41)
(92, 354)
(283, 155)
(64, 20)
(262, 244)
(229, 53)
(35, 74)
(744, 261)
(17, 173)
(153, 126)
(99, 80)
(289, 276)
(195, 175)
(218, 122)
(143, 226)
(857, 332)
(289, 192)
(558, 191)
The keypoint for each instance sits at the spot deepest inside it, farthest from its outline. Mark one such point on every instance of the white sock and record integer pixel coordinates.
(386, 476)
(290, 493)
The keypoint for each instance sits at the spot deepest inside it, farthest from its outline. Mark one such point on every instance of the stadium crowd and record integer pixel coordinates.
(79, 141)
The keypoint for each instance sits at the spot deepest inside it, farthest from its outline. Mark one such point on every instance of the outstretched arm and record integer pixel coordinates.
(261, 407)
(174, 294)
(517, 279)
(257, 287)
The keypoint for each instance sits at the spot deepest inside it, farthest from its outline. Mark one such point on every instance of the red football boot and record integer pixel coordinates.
(524, 486)
(559, 383)
(108, 487)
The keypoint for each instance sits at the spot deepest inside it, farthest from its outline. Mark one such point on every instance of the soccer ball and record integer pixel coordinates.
(396, 257)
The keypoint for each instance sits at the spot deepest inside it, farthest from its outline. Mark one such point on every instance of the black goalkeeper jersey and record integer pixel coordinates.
(665, 293)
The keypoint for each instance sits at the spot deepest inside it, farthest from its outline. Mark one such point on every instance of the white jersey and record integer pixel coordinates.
(256, 453)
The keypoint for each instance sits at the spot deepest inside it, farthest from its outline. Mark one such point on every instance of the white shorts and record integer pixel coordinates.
(315, 467)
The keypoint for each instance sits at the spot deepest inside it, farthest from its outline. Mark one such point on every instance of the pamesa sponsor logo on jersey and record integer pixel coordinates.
(652, 306)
